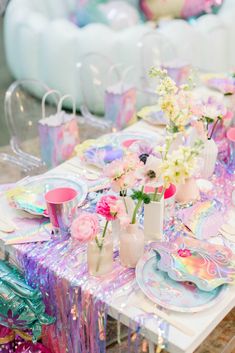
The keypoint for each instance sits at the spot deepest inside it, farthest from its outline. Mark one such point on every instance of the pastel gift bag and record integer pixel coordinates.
(58, 134)
(120, 103)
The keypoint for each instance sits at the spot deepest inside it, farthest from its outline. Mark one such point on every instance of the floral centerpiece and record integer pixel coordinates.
(125, 179)
(86, 229)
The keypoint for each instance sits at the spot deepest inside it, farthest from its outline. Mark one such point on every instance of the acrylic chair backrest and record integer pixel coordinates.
(96, 72)
(155, 50)
(22, 113)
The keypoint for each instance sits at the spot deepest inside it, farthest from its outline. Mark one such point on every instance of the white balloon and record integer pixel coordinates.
(119, 14)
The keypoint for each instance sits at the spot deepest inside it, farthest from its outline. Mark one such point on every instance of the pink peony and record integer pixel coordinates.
(112, 208)
(85, 227)
(104, 207)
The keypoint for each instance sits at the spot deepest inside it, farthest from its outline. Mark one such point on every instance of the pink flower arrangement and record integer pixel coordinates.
(85, 227)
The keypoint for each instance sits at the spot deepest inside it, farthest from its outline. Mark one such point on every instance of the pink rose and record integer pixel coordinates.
(85, 227)
(105, 207)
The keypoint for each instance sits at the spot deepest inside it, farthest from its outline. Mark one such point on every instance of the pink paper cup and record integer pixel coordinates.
(61, 208)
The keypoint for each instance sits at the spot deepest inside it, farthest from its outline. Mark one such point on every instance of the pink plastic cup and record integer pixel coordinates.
(61, 208)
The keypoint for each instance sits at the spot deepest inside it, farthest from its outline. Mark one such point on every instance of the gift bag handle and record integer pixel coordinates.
(62, 99)
(44, 98)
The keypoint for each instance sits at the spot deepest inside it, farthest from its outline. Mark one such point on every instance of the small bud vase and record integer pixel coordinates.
(100, 260)
(209, 156)
(187, 192)
(116, 227)
(153, 220)
(131, 245)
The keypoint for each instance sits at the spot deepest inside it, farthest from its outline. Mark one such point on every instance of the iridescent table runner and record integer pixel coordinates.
(80, 302)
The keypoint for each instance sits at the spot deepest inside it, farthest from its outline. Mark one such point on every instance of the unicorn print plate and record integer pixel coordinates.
(172, 295)
(208, 266)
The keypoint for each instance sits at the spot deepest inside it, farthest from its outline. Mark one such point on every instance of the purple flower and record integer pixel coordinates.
(143, 150)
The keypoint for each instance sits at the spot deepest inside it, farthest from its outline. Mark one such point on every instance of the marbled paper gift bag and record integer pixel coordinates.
(58, 134)
(120, 105)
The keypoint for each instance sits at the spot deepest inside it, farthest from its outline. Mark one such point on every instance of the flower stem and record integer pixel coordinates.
(100, 245)
(124, 200)
(213, 129)
(155, 194)
(133, 221)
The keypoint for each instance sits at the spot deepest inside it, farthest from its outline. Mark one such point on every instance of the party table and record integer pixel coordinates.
(81, 303)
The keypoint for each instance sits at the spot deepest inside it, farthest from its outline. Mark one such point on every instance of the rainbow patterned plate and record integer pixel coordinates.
(206, 265)
(178, 296)
(29, 194)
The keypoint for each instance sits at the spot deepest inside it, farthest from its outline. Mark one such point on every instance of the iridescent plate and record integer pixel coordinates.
(172, 295)
(29, 194)
(188, 259)
(110, 147)
(153, 115)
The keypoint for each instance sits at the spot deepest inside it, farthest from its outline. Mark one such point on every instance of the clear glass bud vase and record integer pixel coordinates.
(100, 260)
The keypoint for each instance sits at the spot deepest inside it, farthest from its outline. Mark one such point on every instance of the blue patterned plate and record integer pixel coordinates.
(177, 296)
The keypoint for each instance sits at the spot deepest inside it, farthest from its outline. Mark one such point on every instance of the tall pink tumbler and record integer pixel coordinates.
(61, 208)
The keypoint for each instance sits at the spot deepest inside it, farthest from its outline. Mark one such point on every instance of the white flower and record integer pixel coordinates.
(150, 173)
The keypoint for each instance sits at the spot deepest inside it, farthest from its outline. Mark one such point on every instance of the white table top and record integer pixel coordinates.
(120, 307)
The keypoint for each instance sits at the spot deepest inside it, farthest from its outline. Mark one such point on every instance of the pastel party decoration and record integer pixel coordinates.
(21, 306)
(29, 347)
(154, 9)
(207, 265)
(58, 135)
(120, 102)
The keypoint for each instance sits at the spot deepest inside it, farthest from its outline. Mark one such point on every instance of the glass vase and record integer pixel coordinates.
(100, 259)
(131, 245)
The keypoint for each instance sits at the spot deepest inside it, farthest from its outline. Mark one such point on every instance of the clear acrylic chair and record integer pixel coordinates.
(96, 73)
(155, 50)
(22, 113)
